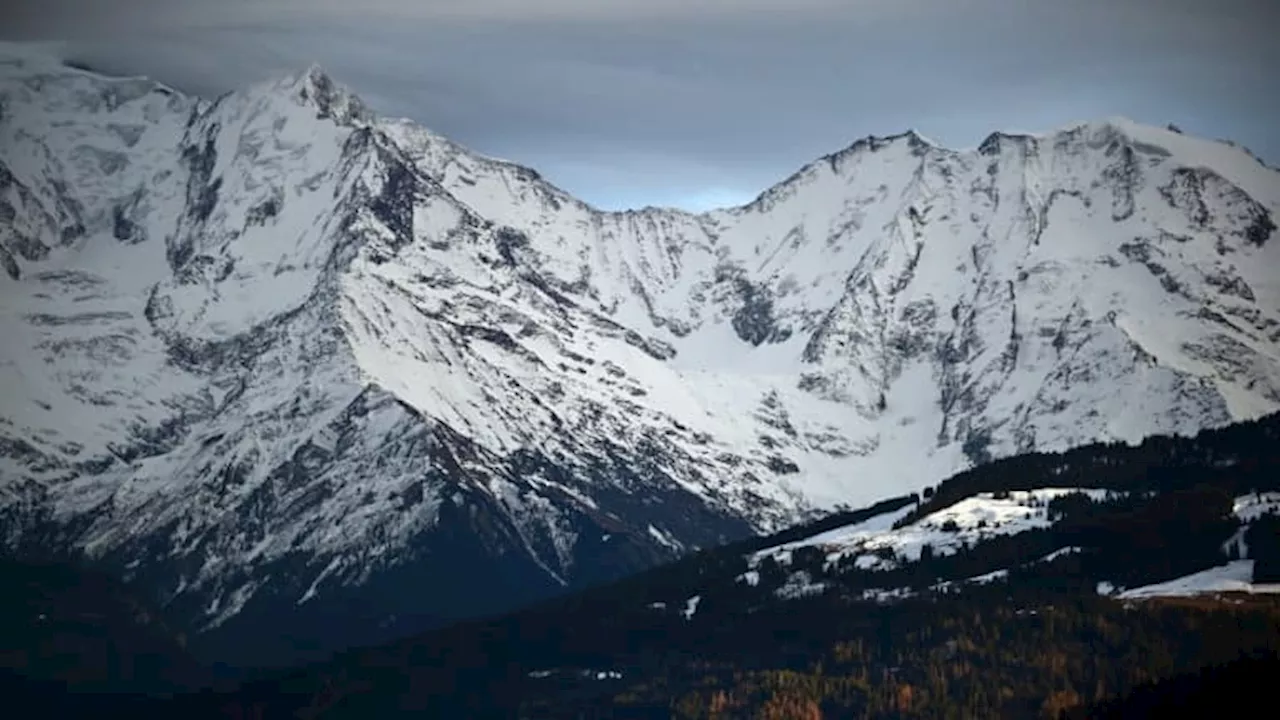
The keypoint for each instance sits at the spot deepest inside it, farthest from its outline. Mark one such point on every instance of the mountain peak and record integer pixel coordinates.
(317, 88)
(312, 76)
(915, 137)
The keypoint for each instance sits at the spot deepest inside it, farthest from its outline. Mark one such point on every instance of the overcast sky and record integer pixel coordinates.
(704, 102)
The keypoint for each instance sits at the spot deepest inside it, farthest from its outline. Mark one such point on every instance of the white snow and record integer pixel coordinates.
(1235, 576)
(1254, 505)
(800, 584)
(1254, 178)
(585, 672)
(1248, 508)
(1059, 553)
(847, 534)
(878, 546)
(691, 607)
(333, 565)
(882, 595)
(982, 579)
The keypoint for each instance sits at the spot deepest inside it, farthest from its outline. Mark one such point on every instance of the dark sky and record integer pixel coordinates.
(705, 102)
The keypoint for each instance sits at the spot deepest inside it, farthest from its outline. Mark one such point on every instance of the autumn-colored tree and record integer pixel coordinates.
(688, 706)
(1059, 701)
(719, 702)
(905, 697)
(787, 706)
(845, 652)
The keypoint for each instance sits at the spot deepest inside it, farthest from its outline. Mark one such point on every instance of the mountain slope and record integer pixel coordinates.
(1006, 619)
(79, 629)
(275, 358)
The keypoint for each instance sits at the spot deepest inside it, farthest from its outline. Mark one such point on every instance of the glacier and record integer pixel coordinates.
(292, 365)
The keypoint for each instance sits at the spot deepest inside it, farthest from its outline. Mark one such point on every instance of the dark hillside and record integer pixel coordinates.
(83, 632)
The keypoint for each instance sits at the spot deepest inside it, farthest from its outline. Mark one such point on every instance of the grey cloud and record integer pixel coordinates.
(664, 101)
(84, 18)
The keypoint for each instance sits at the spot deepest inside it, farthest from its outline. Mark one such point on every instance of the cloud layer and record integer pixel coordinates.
(689, 102)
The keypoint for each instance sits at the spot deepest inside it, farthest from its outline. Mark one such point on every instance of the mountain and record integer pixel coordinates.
(311, 377)
(996, 596)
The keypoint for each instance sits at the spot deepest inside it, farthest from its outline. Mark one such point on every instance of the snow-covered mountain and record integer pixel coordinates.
(282, 361)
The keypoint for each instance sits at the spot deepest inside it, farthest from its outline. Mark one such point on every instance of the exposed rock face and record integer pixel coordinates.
(280, 361)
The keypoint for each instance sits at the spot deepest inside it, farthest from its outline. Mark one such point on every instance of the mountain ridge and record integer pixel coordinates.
(363, 352)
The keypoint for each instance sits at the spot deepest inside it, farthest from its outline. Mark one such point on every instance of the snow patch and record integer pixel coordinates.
(691, 606)
(876, 545)
(1235, 576)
